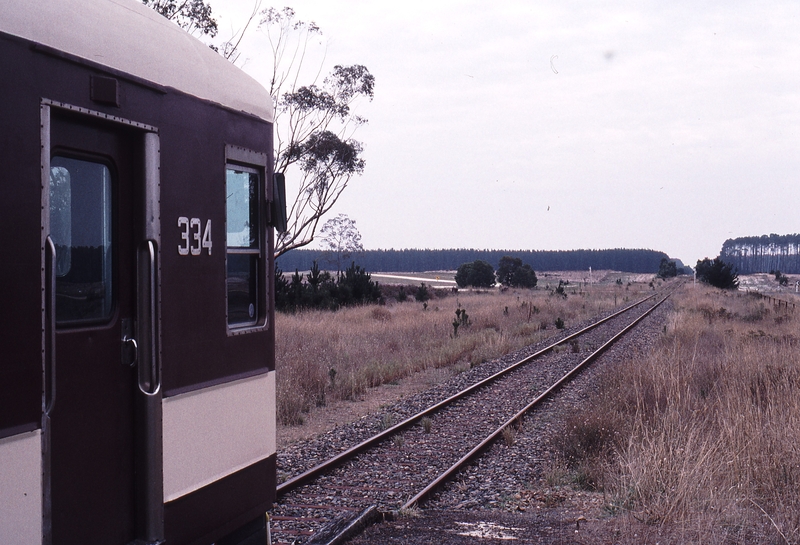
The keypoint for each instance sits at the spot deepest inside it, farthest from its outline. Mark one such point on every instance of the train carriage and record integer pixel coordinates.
(137, 206)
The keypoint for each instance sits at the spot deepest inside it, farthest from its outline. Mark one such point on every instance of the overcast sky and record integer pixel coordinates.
(564, 125)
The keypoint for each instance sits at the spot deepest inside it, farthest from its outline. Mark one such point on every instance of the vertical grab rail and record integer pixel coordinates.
(50, 324)
(149, 373)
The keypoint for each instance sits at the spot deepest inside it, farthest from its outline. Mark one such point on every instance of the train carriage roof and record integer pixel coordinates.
(127, 36)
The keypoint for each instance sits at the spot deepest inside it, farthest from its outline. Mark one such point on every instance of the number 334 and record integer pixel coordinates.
(196, 242)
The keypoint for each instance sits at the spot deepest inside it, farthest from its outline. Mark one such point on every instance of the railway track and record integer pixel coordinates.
(404, 464)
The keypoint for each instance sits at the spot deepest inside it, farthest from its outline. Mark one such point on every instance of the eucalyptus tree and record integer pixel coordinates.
(314, 121)
(341, 239)
(314, 125)
(194, 16)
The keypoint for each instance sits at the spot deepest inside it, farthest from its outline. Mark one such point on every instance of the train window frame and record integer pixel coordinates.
(242, 160)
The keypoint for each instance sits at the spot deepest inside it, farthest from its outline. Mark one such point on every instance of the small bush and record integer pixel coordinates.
(780, 278)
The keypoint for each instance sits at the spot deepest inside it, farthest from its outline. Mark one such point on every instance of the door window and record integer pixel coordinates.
(80, 225)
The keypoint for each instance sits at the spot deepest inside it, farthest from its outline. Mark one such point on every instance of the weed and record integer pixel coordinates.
(509, 436)
(461, 319)
(409, 512)
(386, 421)
(427, 423)
(559, 323)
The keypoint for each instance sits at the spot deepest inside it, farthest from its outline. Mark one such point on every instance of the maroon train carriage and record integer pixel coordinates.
(137, 206)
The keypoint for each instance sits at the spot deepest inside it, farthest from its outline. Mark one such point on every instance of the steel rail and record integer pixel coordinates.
(314, 472)
(444, 477)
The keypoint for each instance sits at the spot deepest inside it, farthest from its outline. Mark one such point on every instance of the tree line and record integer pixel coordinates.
(763, 254)
(419, 260)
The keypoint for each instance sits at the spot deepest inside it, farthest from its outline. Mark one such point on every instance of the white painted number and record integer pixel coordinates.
(184, 249)
(195, 222)
(196, 243)
(207, 237)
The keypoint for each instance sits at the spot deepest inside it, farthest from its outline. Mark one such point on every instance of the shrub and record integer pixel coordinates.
(780, 278)
(422, 294)
(717, 273)
(320, 290)
(512, 273)
(667, 269)
(478, 274)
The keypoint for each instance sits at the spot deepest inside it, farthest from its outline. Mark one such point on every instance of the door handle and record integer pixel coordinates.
(130, 351)
(130, 348)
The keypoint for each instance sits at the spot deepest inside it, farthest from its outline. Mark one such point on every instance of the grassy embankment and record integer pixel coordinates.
(699, 441)
(324, 356)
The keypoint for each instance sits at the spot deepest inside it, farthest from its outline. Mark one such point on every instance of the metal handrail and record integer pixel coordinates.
(50, 324)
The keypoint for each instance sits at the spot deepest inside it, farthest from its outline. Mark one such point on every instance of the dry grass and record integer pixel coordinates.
(699, 442)
(323, 356)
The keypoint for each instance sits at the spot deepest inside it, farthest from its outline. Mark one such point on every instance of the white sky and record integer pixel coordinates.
(668, 125)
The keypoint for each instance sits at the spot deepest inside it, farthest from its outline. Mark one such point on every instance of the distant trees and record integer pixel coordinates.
(512, 273)
(667, 269)
(717, 273)
(418, 260)
(478, 274)
(760, 254)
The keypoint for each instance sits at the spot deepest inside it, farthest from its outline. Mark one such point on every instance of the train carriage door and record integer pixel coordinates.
(95, 170)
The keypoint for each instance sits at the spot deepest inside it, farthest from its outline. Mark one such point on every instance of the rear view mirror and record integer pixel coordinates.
(279, 220)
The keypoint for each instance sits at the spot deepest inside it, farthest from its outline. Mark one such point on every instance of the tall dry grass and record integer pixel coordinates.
(324, 356)
(700, 440)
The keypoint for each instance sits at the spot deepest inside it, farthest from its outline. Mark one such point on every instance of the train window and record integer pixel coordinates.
(243, 245)
(80, 225)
